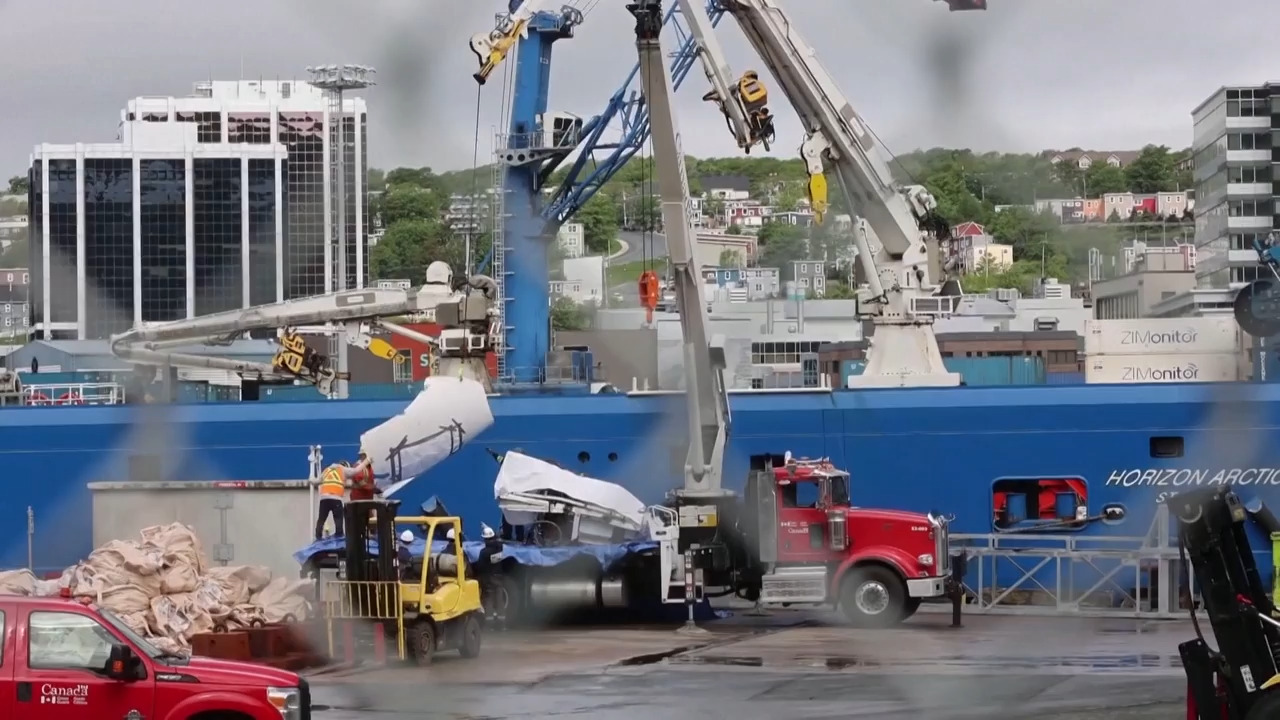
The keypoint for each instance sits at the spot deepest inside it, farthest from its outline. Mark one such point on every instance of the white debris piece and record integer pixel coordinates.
(448, 413)
(528, 487)
(164, 588)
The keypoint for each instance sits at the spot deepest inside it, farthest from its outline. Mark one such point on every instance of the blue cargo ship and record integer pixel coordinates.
(955, 450)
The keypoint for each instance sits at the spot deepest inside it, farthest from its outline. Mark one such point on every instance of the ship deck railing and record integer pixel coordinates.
(73, 393)
(1076, 574)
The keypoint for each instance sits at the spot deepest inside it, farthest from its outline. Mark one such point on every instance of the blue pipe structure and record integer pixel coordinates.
(530, 223)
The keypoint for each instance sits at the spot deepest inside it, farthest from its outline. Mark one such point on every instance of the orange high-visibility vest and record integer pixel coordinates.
(331, 482)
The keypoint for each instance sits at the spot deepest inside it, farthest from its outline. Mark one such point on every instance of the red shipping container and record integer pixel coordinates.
(417, 354)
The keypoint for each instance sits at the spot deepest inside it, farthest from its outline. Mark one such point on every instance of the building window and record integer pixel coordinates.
(262, 231)
(251, 128)
(218, 240)
(1249, 174)
(1249, 141)
(209, 125)
(108, 210)
(64, 290)
(163, 185)
(303, 134)
(1249, 208)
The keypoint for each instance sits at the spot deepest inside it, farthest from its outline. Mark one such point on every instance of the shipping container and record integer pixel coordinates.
(1122, 369)
(977, 371)
(1064, 378)
(1162, 336)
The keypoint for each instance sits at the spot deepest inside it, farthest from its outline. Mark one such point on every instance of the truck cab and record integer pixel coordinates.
(815, 546)
(62, 658)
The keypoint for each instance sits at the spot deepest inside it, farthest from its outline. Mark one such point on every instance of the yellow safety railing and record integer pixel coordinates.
(371, 601)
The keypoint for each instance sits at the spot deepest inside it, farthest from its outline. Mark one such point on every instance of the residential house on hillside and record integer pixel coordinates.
(809, 276)
(799, 218)
(726, 187)
(1084, 159)
(975, 248)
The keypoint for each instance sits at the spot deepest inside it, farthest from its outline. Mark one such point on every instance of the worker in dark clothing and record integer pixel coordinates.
(404, 556)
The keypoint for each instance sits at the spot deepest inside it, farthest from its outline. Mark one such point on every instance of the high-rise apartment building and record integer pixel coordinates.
(1235, 146)
(159, 226)
(304, 119)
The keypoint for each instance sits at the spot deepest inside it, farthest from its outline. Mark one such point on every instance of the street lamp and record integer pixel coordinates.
(334, 80)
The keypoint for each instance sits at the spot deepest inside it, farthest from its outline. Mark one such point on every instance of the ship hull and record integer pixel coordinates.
(940, 450)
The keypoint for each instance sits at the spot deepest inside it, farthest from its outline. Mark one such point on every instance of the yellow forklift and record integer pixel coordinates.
(430, 601)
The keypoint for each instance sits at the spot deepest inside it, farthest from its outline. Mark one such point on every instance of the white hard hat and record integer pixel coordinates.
(486, 532)
(449, 535)
(406, 536)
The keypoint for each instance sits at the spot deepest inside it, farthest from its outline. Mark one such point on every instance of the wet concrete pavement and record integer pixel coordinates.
(792, 667)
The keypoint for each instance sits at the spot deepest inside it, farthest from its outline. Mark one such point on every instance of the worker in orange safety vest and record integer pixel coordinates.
(333, 483)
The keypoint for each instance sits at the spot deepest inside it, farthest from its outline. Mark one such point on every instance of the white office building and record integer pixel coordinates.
(301, 117)
(157, 227)
(1235, 200)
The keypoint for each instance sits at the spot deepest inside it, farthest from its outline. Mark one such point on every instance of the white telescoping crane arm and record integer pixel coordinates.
(896, 232)
(491, 47)
(708, 404)
(152, 345)
(743, 101)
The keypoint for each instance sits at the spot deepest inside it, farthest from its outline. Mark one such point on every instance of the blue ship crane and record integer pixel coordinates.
(531, 152)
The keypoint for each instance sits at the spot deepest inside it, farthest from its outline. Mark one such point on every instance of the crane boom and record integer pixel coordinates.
(897, 231)
(704, 361)
(491, 47)
(467, 315)
(743, 102)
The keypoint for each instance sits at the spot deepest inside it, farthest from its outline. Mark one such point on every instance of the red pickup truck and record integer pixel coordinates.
(63, 659)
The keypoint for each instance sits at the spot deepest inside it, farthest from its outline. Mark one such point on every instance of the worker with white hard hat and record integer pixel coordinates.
(404, 552)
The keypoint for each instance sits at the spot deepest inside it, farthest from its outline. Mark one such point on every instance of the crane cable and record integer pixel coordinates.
(475, 178)
(649, 285)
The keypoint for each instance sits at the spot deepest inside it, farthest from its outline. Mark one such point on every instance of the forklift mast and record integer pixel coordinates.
(1212, 534)
(370, 524)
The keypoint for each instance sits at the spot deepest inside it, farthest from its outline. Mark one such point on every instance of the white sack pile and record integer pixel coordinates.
(164, 588)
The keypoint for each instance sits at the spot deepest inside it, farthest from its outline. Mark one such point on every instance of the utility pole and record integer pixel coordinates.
(335, 80)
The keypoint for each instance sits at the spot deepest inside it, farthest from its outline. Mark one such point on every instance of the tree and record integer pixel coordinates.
(599, 218)
(411, 202)
(418, 177)
(781, 244)
(375, 180)
(409, 246)
(1102, 178)
(1154, 170)
(733, 229)
(730, 258)
(568, 315)
(713, 208)
(18, 185)
(789, 197)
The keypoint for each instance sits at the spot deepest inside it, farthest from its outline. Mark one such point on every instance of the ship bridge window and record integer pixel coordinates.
(1039, 504)
(1166, 447)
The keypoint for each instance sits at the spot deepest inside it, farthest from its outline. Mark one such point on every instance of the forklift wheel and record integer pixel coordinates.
(469, 643)
(1267, 707)
(873, 597)
(422, 642)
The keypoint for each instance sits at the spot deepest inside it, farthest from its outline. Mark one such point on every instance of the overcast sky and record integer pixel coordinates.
(1026, 75)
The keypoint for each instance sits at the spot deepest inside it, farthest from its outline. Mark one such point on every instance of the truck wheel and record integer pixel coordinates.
(912, 605)
(469, 643)
(421, 642)
(873, 597)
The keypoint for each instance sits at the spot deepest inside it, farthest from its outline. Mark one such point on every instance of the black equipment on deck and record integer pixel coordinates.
(1227, 683)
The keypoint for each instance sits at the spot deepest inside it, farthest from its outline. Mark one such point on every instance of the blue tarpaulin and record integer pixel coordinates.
(522, 554)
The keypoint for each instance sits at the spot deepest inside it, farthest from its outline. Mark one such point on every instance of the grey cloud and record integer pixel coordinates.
(1025, 75)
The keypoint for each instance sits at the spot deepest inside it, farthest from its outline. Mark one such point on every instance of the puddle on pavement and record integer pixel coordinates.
(733, 660)
(1086, 663)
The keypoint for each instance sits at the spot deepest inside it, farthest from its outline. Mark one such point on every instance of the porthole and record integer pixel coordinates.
(584, 457)
(613, 457)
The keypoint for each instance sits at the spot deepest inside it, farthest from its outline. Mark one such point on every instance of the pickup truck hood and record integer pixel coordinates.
(230, 672)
